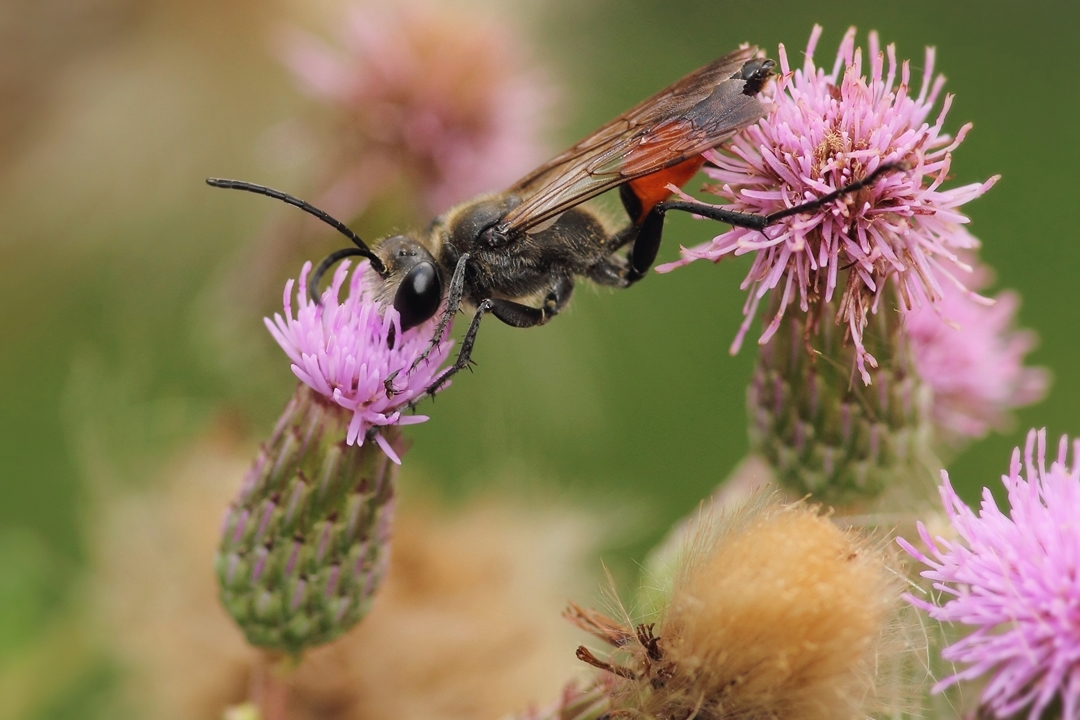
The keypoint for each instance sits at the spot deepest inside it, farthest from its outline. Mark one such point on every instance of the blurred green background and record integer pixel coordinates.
(115, 354)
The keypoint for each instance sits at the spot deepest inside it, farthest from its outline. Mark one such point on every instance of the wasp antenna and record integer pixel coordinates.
(330, 261)
(361, 247)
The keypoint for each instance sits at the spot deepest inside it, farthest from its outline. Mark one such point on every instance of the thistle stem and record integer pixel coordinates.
(270, 686)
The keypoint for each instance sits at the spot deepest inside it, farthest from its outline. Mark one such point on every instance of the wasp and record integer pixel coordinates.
(516, 254)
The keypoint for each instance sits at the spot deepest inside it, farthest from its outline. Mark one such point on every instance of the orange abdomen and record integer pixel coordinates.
(652, 189)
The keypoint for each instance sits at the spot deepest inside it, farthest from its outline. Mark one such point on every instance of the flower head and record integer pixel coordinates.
(773, 612)
(827, 130)
(973, 358)
(347, 351)
(428, 95)
(1013, 578)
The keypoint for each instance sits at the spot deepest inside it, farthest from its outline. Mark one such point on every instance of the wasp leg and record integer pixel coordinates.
(622, 272)
(646, 245)
(644, 235)
(465, 353)
(453, 304)
(512, 313)
(866, 181)
(519, 315)
(632, 204)
(760, 222)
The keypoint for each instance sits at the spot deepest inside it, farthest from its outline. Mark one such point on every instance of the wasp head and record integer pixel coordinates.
(413, 279)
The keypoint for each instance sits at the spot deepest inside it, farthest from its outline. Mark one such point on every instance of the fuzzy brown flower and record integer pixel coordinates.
(776, 613)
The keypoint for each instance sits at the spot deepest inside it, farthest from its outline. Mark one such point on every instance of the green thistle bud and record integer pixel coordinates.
(304, 545)
(822, 430)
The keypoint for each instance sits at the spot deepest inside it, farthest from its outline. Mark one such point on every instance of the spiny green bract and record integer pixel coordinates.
(304, 546)
(822, 430)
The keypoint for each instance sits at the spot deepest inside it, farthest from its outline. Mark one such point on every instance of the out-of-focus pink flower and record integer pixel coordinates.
(824, 131)
(972, 357)
(434, 96)
(1013, 578)
(347, 350)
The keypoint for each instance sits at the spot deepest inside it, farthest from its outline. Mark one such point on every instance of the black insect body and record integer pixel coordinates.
(516, 254)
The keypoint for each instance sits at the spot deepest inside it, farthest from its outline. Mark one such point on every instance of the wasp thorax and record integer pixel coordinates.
(413, 271)
(479, 223)
(493, 237)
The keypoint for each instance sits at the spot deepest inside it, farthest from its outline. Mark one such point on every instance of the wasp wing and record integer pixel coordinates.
(693, 115)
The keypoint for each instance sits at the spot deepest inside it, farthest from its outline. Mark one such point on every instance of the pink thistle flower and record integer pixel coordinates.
(1014, 579)
(972, 357)
(433, 96)
(344, 351)
(824, 131)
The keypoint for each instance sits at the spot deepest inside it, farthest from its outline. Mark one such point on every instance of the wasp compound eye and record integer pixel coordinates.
(419, 295)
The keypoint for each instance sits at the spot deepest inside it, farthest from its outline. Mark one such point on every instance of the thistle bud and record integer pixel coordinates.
(822, 430)
(304, 546)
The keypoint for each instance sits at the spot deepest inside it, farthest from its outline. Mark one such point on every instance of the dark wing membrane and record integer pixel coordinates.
(695, 114)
